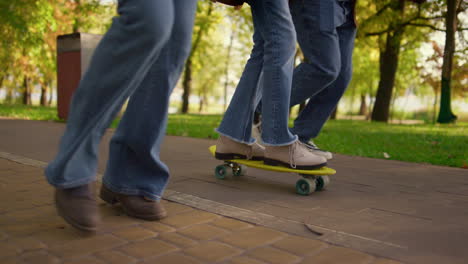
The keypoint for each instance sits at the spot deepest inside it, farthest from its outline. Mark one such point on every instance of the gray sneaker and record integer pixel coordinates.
(295, 156)
(228, 149)
(316, 150)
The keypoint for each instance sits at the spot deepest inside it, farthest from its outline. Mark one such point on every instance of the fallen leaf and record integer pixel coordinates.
(385, 154)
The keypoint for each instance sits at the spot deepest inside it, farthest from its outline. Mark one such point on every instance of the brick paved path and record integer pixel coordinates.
(31, 232)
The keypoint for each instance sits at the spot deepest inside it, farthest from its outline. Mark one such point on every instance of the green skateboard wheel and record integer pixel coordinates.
(239, 170)
(322, 182)
(305, 186)
(221, 171)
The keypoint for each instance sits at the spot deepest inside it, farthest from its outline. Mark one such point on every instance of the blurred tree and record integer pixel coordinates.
(28, 45)
(451, 24)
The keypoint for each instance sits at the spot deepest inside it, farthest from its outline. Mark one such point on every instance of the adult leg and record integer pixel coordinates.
(134, 166)
(119, 65)
(317, 111)
(315, 24)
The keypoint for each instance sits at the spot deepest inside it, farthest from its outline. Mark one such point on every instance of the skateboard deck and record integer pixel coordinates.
(312, 180)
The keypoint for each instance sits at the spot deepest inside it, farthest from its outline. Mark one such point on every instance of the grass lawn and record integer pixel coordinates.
(28, 112)
(434, 144)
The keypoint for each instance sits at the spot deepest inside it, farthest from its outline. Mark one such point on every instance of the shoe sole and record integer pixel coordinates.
(112, 199)
(72, 222)
(272, 162)
(232, 156)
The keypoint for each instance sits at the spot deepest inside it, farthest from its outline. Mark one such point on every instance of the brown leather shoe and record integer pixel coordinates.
(133, 205)
(78, 207)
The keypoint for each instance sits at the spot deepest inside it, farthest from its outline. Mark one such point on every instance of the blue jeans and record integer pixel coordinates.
(326, 33)
(273, 53)
(141, 57)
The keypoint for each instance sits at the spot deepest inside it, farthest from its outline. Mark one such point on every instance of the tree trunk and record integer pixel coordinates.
(187, 81)
(445, 112)
(43, 95)
(434, 107)
(187, 85)
(363, 107)
(26, 91)
(51, 94)
(388, 68)
(201, 103)
(9, 96)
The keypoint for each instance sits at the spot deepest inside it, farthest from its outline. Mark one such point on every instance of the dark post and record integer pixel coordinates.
(74, 52)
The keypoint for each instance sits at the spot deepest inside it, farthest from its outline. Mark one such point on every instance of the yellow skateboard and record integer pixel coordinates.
(312, 180)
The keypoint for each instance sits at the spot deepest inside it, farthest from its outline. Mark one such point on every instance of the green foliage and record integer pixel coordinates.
(29, 30)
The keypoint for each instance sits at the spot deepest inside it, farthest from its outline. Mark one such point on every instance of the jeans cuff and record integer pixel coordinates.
(72, 184)
(235, 139)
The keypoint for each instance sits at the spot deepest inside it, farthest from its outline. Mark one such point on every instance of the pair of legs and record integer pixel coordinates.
(141, 57)
(326, 31)
(273, 58)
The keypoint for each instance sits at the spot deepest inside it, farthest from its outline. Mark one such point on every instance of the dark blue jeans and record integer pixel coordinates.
(141, 57)
(325, 32)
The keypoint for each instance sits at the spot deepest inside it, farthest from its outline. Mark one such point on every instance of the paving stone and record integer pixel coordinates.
(8, 250)
(85, 260)
(114, 257)
(39, 258)
(244, 260)
(59, 235)
(274, 256)
(114, 218)
(134, 233)
(175, 208)
(386, 261)
(253, 237)
(29, 228)
(177, 239)
(27, 243)
(84, 246)
(334, 255)
(189, 218)
(299, 245)
(11, 260)
(231, 224)
(3, 236)
(212, 251)
(157, 227)
(203, 232)
(148, 248)
(173, 258)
